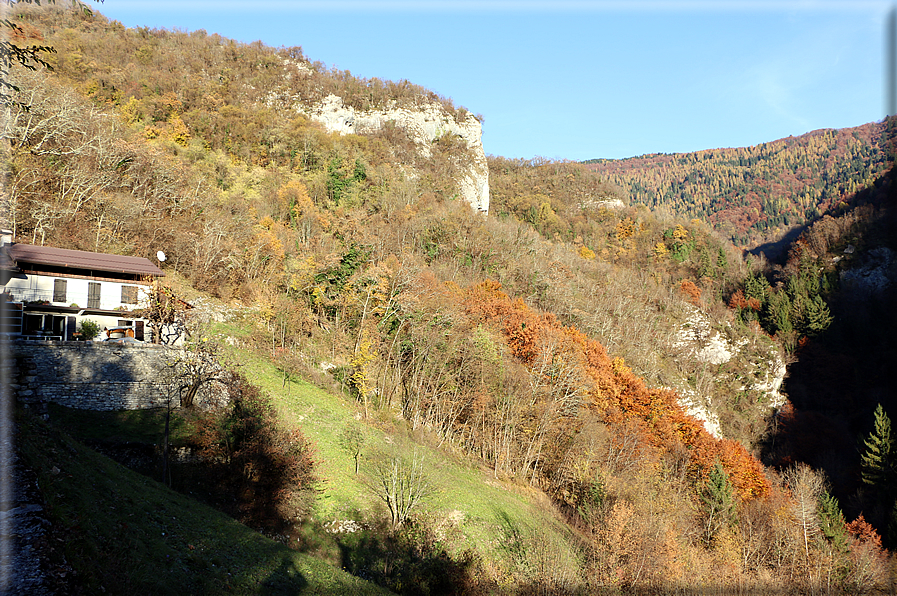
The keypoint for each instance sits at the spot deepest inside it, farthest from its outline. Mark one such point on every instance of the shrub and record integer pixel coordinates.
(89, 329)
(257, 466)
(412, 560)
(401, 483)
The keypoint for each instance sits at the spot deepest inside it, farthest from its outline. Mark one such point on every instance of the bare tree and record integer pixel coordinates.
(401, 482)
(165, 313)
(181, 375)
(198, 366)
(352, 439)
(806, 487)
(556, 390)
(43, 214)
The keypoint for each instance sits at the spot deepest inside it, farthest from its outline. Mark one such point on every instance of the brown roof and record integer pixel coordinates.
(79, 259)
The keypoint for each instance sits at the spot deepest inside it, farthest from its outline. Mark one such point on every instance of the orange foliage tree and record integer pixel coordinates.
(615, 392)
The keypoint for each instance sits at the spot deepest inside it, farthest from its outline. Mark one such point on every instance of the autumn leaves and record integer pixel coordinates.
(562, 356)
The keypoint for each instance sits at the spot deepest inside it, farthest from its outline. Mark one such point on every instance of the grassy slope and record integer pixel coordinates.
(489, 509)
(118, 517)
(128, 534)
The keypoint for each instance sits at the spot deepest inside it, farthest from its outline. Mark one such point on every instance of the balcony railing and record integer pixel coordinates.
(20, 295)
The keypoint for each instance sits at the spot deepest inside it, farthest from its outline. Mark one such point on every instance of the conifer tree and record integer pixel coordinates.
(721, 261)
(877, 461)
(756, 286)
(705, 263)
(817, 316)
(831, 522)
(719, 502)
(777, 314)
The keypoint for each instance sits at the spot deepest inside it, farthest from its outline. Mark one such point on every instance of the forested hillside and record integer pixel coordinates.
(754, 195)
(542, 353)
(840, 395)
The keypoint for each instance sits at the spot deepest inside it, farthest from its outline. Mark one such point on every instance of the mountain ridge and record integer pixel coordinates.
(758, 193)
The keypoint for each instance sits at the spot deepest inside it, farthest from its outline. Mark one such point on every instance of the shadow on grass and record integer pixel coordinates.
(409, 560)
(125, 533)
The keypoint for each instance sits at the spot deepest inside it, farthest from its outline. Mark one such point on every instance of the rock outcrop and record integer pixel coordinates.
(424, 125)
(745, 364)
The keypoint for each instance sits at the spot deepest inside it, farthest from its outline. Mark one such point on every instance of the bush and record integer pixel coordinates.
(88, 329)
(258, 469)
(411, 561)
(401, 483)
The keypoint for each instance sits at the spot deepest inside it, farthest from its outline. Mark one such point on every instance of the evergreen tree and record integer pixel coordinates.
(705, 263)
(831, 522)
(756, 286)
(877, 461)
(798, 311)
(721, 261)
(796, 287)
(777, 314)
(817, 316)
(719, 502)
(809, 276)
(878, 471)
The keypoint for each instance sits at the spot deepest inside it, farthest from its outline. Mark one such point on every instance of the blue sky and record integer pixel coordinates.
(581, 79)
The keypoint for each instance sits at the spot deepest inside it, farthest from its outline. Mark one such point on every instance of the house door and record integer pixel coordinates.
(138, 330)
(58, 327)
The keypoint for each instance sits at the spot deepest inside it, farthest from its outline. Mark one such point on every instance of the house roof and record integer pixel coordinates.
(79, 259)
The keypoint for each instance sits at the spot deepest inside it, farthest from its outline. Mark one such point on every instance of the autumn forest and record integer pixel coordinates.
(559, 351)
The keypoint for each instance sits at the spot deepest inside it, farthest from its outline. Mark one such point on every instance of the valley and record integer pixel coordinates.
(451, 372)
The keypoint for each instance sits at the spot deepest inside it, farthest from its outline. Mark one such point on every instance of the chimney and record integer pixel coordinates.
(5, 237)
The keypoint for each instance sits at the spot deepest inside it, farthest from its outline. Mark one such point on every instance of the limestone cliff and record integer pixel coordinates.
(424, 125)
(731, 362)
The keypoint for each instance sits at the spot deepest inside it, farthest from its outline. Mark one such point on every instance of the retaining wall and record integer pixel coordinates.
(92, 376)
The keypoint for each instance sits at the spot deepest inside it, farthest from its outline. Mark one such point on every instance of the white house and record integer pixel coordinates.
(48, 292)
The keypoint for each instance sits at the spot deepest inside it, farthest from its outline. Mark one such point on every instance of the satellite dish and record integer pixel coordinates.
(160, 255)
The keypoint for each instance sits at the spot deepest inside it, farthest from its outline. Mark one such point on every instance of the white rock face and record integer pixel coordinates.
(699, 339)
(773, 377)
(607, 203)
(697, 407)
(424, 126)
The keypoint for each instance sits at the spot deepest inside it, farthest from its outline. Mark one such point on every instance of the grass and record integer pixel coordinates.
(127, 534)
(207, 552)
(123, 426)
(486, 505)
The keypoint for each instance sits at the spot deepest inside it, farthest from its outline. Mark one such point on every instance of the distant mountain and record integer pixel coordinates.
(756, 194)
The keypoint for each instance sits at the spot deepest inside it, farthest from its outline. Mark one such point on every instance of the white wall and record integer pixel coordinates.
(40, 287)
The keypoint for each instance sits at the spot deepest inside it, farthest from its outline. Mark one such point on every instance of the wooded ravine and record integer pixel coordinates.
(429, 400)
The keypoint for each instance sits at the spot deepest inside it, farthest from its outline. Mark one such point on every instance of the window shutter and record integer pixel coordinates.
(93, 295)
(59, 287)
(129, 294)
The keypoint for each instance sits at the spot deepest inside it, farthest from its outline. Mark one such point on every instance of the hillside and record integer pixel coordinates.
(838, 379)
(540, 363)
(755, 195)
(123, 533)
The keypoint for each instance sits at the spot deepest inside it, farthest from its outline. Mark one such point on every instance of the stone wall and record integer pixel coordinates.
(93, 376)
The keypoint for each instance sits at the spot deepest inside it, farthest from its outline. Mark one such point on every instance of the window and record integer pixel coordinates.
(129, 294)
(59, 286)
(93, 295)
